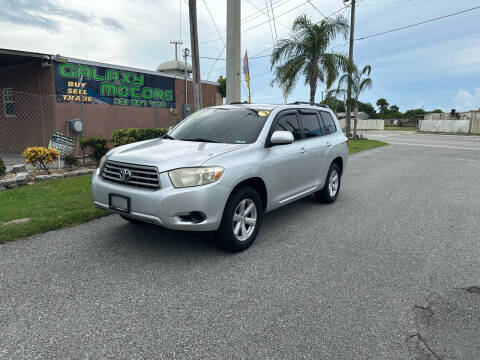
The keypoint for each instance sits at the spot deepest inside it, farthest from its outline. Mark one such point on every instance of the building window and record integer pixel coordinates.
(8, 102)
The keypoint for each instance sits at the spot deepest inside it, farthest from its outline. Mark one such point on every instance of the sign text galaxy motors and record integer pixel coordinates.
(101, 85)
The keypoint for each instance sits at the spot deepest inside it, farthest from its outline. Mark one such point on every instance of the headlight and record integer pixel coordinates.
(187, 177)
(101, 163)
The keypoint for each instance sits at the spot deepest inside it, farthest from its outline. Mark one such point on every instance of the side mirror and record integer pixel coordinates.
(281, 138)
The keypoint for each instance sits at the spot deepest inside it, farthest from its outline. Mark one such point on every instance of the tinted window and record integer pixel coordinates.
(224, 125)
(329, 123)
(311, 126)
(289, 122)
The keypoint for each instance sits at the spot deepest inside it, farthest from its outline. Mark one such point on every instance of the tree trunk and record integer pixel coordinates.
(313, 90)
(355, 120)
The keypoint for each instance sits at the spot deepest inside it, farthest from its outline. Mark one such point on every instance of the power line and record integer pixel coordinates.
(214, 23)
(257, 25)
(253, 16)
(386, 3)
(274, 22)
(263, 12)
(270, 23)
(419, 23)
(219, 35)
(316, 8)
(284, 13)
(271, 47)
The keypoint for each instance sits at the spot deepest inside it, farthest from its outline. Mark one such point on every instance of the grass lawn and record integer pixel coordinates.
(355, 146)
(396, 128)
(49, 205)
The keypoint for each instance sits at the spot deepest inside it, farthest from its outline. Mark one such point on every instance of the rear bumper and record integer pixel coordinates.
(168, 206)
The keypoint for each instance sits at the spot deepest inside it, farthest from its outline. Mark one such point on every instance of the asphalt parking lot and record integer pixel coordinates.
(387, 272)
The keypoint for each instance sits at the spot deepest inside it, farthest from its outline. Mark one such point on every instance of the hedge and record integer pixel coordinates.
(98, 146)
(3, 169)
(127, 136)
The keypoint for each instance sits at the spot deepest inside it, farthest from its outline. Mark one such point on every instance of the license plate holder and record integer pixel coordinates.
(119, 203)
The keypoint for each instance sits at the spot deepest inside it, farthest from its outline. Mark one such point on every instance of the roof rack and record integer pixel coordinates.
(307, 103)
(238, 102)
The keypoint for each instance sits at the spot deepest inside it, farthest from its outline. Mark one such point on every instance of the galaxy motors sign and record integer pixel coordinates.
(101, 85)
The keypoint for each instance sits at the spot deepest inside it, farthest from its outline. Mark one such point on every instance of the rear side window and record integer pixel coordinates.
(311, 125)
(329, 123)
(289, 122)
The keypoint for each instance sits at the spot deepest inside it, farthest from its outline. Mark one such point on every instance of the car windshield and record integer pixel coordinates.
(222, 125)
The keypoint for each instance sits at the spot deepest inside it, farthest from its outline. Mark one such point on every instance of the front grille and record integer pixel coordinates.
(141, 176)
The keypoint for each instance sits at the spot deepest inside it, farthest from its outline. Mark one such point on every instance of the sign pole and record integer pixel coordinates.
(82, 116)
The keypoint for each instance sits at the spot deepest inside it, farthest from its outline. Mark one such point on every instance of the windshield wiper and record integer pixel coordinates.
(166, 136)
(200, 140)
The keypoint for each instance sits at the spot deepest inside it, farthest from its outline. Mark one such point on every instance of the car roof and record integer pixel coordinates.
(272, 106)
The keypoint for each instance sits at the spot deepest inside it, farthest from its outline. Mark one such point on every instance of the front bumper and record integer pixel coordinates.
(167, 205)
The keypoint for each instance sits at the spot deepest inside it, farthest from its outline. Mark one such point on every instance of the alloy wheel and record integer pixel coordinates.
(333, 183)
(244, 219)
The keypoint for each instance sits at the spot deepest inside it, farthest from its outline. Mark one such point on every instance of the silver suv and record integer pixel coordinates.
(223, 167)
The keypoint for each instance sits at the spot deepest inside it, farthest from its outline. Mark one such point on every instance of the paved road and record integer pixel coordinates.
(350, 280)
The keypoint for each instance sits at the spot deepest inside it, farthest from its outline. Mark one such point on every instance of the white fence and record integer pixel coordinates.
(460, 126)
(369, 124)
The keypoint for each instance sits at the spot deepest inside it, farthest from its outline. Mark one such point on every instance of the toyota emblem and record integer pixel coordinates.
(125, 174)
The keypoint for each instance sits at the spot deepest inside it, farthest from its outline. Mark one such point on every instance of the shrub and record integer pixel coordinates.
(98, 146)
(127, 136)
(40, 157)
(70, 161)
(3, 169)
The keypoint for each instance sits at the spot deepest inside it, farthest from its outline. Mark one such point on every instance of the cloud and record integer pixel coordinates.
(112, 23)
(48, 15)
(464, 100)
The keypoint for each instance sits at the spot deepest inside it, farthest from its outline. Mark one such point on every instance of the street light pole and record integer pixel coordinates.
(186, 107)
(350, 56)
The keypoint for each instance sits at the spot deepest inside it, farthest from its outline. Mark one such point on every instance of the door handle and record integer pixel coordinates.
(303, 151)
(329, 144)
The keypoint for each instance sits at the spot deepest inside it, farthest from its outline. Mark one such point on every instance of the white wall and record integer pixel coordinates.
(369, 124)
(460, 126)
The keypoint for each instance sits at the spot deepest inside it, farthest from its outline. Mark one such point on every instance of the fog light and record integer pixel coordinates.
(194, 217)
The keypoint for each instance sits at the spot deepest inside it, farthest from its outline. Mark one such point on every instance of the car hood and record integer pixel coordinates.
(168, 154)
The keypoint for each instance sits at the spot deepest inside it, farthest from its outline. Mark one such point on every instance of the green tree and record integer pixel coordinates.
(222, 85)
(437, 111)
(305, 53)
(360, 81)
(382, 105)
(367, 108)
(414, 114)
(393, 109)
(333, 103)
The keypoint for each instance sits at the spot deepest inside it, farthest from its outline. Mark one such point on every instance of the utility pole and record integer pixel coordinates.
(176, 42)
(233, 50)
(197, 93)
(350, 56)
(186, 106)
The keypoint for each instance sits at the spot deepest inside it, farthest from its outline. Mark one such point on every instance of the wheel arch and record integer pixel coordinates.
(339, 162)
(258, 185)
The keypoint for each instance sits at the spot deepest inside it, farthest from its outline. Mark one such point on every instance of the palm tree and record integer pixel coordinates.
(360, 81)
(305, 53)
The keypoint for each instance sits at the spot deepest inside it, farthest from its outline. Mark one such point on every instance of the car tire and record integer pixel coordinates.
(241, 220)
(330, 191)
(132, 220)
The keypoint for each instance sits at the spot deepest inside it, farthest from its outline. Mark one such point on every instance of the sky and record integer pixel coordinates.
(431, 66)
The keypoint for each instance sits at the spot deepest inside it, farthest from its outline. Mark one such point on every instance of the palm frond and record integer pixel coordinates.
(331, 63)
